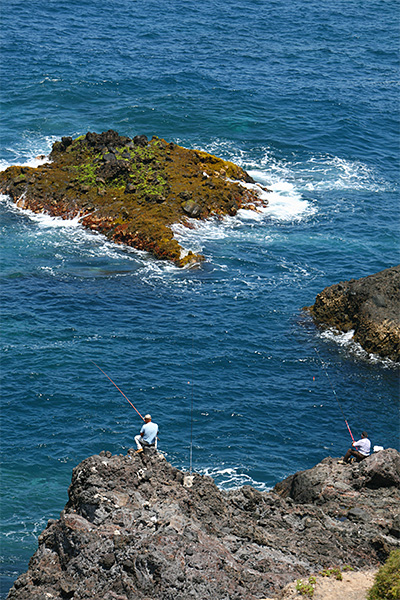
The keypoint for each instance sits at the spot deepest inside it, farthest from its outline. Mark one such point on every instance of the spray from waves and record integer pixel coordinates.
(283, 204)
(30, 152)
(326, 173)
(284, 201)
(346, 341)
(319, 173)
(230, 478)
(322, 173)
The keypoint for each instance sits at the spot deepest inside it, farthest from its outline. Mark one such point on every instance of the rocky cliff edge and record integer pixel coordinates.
(137, 528)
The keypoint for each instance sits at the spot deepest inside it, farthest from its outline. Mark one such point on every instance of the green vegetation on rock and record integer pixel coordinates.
(387, 580)
(306, 588)
(131, 190)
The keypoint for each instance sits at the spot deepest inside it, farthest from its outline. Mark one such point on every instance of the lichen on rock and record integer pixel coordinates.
(131, 190)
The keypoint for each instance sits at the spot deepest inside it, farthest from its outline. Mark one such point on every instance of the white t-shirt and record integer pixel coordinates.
(363, 446)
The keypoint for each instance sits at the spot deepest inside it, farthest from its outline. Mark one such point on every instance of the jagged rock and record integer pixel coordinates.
(143, 184)
(327, 480)
(136, 528)
(358, 514)
(191, 208)
(381, 470)
(395, 527)
(370, 306)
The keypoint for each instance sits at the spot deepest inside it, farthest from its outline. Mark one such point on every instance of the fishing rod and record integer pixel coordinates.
(118, 389)
(333, 390)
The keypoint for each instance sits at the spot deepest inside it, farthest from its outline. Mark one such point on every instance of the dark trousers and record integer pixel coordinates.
(355, 453)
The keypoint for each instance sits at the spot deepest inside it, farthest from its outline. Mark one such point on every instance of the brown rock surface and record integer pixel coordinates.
(370, 306)
(134, 528)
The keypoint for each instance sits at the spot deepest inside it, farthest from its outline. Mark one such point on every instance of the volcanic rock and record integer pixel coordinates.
(145, 188)
(136, 528)
(370, 306)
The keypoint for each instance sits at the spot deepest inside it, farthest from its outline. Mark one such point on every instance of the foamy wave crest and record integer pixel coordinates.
(346, 341)
(29, 153)
(48, 222)
(81, 252)
(282, 203)
(232, 478)
(292, 179)
(320, 173)
(335, 173)
(200, 232)
(285, 199)
(285, 202)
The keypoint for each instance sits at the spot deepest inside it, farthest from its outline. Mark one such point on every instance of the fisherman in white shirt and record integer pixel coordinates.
(360, 449)
(148, 435)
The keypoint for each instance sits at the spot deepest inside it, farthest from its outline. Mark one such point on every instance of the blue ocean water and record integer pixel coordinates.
(304, 95)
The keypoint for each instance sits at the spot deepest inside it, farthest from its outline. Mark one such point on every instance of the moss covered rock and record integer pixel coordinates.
(131, 190)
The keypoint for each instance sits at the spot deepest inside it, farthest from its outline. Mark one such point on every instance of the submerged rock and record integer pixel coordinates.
(131, 190)
(136, 528)
(370, 306)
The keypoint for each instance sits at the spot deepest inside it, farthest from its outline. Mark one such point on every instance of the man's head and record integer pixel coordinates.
(364, 434)
(147, 418)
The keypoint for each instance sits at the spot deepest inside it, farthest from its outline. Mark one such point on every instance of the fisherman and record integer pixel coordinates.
(148, 435)
(360, 450)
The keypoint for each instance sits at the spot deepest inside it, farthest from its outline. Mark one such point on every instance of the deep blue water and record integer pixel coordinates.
(304, 95)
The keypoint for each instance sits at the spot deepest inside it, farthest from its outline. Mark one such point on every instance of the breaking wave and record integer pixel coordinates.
(230, 478)
(346, 341)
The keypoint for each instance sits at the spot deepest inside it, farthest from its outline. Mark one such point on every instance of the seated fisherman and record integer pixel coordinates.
(148, 434)
(360, 449)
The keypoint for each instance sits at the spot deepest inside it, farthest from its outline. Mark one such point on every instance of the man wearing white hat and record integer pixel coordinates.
(148, 434)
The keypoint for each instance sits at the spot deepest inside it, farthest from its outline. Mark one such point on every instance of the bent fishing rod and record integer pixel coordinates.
(92, 361)
(333, 390)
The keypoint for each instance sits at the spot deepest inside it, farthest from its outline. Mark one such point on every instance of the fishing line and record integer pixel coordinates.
(333, 390)
(191, 415)
(92, 361)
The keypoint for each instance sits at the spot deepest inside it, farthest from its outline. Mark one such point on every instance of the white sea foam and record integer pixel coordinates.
(65, 238)
(281, 203)
(29, 153)
(288, 200)
(293, 181)
(232, 478)
(321, 173)
(335, 173)
(285, 202)
(346, 341)
(49, 222)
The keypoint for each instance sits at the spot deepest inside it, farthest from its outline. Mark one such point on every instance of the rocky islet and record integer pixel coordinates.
(132, 190)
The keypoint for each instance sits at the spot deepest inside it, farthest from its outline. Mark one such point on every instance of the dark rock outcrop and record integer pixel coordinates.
(132, 190)
(136, 528)
(370, 306)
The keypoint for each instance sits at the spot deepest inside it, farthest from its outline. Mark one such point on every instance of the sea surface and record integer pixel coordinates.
(302, 94)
